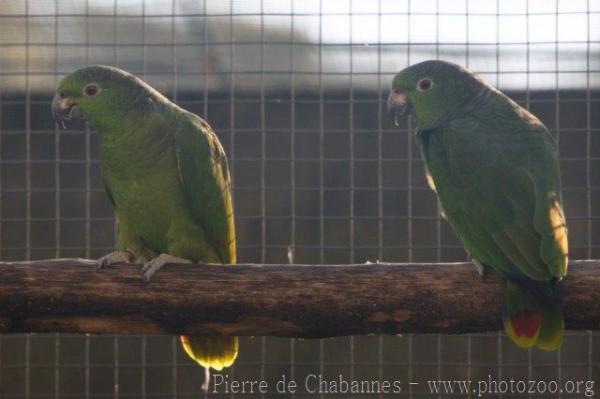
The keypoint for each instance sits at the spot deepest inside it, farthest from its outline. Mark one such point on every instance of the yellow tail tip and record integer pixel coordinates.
(213, 352)
(524, 329)
(544, 331)
(553, 327)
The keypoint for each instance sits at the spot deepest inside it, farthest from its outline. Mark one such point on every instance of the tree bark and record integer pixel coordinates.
(70, 295)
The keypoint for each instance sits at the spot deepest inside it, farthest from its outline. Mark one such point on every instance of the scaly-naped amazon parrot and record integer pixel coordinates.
(495, 169)
(165, 173)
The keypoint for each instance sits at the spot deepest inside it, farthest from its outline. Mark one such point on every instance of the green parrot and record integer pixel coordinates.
(494, 167)
(166, 175)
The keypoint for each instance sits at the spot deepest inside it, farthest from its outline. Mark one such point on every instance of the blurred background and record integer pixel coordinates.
(295, 90)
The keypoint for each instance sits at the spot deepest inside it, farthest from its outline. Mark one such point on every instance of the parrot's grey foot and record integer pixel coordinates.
(206, 383)
(115, 257)
(481, 269)
(157, 263)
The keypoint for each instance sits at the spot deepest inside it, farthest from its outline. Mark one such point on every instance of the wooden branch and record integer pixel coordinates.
(70, 295)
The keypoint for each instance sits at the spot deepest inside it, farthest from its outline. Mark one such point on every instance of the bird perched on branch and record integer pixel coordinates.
(166, 175)
(495, 169)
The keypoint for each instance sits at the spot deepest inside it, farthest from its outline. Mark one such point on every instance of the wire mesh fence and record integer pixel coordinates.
(295, 90)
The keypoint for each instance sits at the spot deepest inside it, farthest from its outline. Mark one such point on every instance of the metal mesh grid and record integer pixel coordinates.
(72, 366)
(295, 91)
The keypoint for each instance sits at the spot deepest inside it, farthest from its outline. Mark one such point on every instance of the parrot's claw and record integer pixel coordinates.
(481, 269)
(113, 258)
(157, 263)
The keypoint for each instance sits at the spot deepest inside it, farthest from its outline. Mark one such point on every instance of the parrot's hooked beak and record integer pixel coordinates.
(398, 105)
(63, 109)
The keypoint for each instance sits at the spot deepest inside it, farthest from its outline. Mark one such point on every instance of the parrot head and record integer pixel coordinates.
(430, 89)
(99, 94)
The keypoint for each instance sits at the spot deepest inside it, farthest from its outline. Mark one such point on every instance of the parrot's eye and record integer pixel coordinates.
(91, 89)
(424, 84)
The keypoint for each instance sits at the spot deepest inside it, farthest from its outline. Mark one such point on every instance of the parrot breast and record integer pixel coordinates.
(146, 192)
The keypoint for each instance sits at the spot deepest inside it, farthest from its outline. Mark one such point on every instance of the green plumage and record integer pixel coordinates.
(165, 173)
(496, 173)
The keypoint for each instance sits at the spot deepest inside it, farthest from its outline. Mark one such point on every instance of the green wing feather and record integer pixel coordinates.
(204, 176)
(496, 174)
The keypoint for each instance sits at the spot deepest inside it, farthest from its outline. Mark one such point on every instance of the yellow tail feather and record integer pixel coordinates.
(523, 330)
(532, 315)
(553, 327)
(214, 352)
